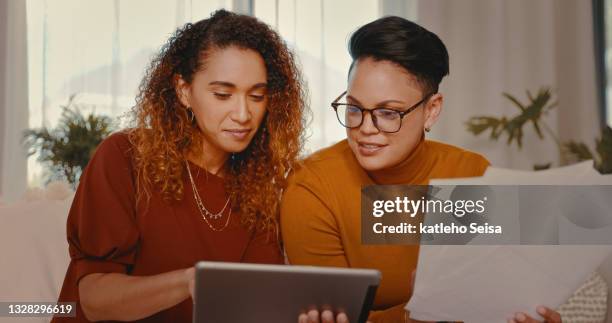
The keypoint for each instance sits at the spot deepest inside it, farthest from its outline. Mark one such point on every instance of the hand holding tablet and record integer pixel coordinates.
(233, 292)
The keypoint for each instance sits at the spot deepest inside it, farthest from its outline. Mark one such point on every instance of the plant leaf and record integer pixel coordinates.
(67, 147)
(603, 146)
(576, 151)
(514, 100)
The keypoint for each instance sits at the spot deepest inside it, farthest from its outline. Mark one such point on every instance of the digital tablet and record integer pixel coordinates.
(237, 292)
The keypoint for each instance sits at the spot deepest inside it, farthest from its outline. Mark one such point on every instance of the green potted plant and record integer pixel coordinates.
(538, 105)
(67, 148)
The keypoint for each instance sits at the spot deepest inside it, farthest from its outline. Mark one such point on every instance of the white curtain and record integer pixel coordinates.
(512, 46)
(318, 32)
(13, 97)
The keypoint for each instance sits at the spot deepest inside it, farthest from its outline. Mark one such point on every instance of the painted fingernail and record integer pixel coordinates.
(541, 310)
(313, 316)
(327, 315)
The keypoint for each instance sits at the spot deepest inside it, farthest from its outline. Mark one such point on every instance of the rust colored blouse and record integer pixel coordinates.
(109, 232)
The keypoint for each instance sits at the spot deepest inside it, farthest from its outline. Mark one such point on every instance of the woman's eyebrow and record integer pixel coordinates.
(222, 83)
(390, 101)
(379, 103)
(259, 86)
(233, 86)
(352, 98)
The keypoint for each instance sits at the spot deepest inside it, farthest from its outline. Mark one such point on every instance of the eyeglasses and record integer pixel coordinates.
(384, 119)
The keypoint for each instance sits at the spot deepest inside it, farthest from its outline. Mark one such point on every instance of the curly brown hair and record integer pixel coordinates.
(164, 135)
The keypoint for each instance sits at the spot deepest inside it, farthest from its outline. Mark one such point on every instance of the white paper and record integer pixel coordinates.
(478, 284)
(488, 284)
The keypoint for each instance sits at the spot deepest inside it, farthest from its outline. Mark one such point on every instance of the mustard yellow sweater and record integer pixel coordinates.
(321, 223)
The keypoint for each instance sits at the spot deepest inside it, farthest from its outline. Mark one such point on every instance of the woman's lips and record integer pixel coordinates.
(239, 134)
(369, 149)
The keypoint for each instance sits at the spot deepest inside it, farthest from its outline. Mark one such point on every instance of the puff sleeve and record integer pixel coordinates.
(102, 231)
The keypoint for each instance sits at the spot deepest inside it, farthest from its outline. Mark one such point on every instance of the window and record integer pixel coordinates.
(98, 51)
(318, 32)
(602, 14)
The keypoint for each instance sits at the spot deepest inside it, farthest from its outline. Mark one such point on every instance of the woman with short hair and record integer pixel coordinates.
(391, 102)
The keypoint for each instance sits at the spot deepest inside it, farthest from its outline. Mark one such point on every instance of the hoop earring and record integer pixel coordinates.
(190, 115)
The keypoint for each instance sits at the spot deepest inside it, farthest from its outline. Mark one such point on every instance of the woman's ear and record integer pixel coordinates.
(433, 109)
(182, 89)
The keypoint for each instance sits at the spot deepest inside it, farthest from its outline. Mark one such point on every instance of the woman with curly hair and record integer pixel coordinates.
(218, 125)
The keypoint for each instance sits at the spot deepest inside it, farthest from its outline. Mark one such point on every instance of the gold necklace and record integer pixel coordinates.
(203, 210)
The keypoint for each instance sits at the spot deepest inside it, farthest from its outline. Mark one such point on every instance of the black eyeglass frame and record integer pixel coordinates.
(335, 104)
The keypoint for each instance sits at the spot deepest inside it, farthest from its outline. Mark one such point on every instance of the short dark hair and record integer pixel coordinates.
(405, 43)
